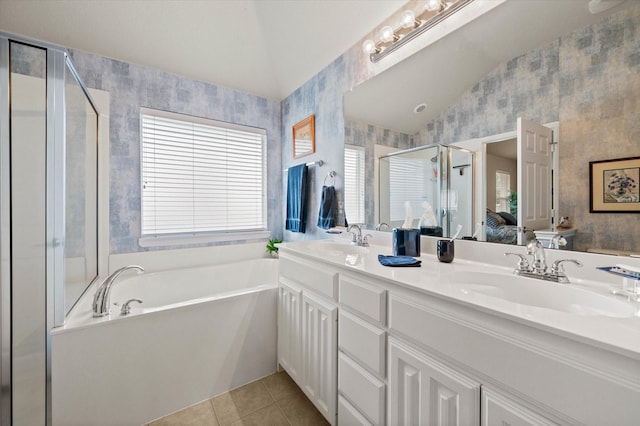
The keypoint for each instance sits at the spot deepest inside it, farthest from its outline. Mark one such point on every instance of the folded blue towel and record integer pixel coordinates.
(398, 260)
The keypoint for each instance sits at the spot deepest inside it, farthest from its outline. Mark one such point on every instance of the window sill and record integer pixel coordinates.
(188, 239)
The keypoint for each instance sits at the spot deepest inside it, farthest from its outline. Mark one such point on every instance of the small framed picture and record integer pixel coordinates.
(304, 139)
(615, 185)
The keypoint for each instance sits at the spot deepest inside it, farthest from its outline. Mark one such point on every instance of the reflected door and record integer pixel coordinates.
(534, 176)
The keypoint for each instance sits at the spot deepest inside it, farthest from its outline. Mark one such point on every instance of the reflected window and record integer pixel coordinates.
(354, 184)
(409, 180)
(503, 191)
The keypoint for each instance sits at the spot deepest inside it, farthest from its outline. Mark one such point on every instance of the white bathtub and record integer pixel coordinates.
(199, 332)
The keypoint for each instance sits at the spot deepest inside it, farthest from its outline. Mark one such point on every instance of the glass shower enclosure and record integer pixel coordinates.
(437, 183)
(48, 215)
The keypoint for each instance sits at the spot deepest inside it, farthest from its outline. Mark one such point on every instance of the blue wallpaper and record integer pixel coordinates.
(133, 86)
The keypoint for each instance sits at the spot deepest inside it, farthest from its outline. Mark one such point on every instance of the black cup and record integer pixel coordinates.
(445, 251)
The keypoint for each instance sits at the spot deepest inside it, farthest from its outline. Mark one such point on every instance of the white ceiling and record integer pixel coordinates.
(264, 47)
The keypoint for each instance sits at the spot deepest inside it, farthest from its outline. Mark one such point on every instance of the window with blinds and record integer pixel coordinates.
(201, 176)
(503, 191)
(408, 181)
(354, 184)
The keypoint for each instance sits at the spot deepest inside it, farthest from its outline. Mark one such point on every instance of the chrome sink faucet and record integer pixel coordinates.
(101, 300)
(357, 234)
(539, 268)
(536, 249)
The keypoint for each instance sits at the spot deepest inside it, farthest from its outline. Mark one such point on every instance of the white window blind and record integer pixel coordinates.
(354, 184)
(503, 191)
(200, 175)
(408, 181)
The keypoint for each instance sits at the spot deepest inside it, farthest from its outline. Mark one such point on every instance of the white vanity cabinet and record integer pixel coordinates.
(319, 348)
(289, 328)
(362, 352)
(307, 331)
(384, 347)
(423, 391)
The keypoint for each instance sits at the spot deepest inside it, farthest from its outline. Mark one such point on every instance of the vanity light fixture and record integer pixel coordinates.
(410, 27)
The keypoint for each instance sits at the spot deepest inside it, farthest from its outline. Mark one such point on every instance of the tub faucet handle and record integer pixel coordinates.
(126, 309)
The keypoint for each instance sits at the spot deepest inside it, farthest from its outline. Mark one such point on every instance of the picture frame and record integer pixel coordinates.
(304, 139)
(615, 185)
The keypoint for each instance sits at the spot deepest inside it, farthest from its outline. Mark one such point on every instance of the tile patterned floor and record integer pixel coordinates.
(272, 401)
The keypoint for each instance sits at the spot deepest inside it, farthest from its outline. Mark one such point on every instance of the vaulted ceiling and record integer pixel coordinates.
(264, 47)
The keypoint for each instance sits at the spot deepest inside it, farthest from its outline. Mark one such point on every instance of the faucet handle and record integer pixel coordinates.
(365, 240)
(558, 271)
(126, 309)
(523, 263)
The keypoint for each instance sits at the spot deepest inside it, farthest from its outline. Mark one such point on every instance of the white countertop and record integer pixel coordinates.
(618, 334)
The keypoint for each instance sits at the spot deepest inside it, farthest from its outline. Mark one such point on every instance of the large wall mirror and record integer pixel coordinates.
(557, 66)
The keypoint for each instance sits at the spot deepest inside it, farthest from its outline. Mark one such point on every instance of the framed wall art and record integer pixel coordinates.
(615, 185)
(304, 139)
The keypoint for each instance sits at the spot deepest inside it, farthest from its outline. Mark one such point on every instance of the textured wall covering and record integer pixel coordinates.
(599, 120)
(131, 87)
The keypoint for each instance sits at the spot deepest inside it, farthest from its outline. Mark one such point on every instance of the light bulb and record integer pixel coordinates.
(369, 47)
(408, 19)
(387, 35)
(433, 5)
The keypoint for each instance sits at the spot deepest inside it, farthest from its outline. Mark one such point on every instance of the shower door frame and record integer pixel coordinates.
(56, 60)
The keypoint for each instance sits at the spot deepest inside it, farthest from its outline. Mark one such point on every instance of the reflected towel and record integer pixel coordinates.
(398, 260)
(328, 208)
(296, 198)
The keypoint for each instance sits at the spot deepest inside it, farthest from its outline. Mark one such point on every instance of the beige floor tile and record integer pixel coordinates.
(198, 415)
(281, 386)
(232, 406)
(299, 411)
(268, 416)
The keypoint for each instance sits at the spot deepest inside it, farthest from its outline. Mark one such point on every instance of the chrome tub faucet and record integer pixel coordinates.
(101, 300)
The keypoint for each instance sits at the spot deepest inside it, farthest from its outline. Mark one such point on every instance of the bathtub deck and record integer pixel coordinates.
(273, 400)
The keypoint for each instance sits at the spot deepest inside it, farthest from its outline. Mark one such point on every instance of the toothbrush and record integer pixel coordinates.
(478, 228)
(458, 230)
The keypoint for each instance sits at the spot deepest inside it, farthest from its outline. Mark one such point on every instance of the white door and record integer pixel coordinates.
(534, 176)
(423, 391)
(320, 354)
(289, 327)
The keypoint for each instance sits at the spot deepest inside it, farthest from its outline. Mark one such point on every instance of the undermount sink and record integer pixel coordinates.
(541, 294)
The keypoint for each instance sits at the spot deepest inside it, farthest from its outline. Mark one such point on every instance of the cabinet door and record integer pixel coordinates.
(289, 329)
(423, 391)
(320, 354)
(499, 410)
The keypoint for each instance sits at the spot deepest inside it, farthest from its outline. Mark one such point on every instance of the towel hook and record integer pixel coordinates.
(332, 175)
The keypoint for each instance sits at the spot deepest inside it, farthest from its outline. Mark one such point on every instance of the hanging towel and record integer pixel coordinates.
(328, 208)
(296, 198)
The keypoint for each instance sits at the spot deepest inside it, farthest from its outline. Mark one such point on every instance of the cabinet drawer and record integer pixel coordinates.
(360, 387)
(363, 341)
(364, 298)
(348, 415)
(499, 410)
(311, 276)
